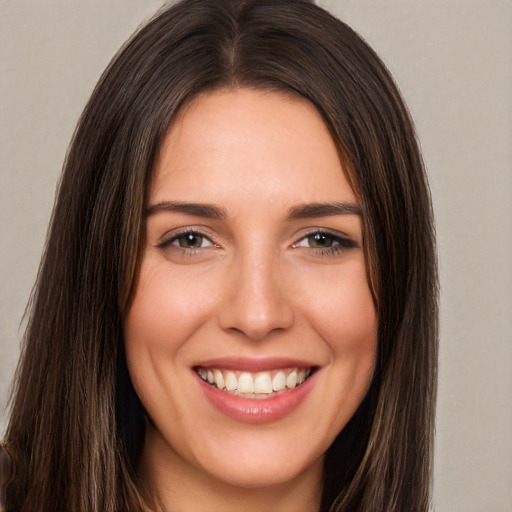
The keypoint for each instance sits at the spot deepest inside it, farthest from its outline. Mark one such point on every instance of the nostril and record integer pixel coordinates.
(255, 323)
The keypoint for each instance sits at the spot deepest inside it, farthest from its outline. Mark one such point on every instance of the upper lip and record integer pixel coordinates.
(254, 364)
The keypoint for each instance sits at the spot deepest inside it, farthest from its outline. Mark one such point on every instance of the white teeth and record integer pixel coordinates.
(279, 381)
(291, 380)
(263, 383)
(231, 382)
(254, 385)
(245, 383)
(219, 379)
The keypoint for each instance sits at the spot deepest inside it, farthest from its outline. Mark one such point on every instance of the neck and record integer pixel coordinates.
(184, 487)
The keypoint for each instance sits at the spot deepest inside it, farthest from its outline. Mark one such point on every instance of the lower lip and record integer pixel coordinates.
(257, 411)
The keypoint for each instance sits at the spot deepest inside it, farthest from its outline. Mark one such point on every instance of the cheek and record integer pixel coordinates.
(165, 311)
(343, 313)
(352, 340)
(346, 320)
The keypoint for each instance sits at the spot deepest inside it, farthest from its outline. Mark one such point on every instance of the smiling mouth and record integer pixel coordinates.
(259, 385)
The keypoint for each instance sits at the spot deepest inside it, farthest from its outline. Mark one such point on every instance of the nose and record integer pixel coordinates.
(257, 300)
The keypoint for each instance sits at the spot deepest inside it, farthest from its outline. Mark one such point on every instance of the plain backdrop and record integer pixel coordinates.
(453, 62)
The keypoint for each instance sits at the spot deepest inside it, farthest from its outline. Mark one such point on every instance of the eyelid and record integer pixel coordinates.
(168, 238)
(342, 238)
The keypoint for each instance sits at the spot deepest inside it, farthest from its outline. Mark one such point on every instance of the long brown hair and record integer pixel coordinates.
(76, 425)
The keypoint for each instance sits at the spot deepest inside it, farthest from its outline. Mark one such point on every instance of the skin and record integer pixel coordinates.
(255, 285)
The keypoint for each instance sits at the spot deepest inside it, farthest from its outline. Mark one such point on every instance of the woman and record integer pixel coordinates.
(236, 308)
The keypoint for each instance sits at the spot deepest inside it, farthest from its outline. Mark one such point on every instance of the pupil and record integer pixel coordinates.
(320, 240)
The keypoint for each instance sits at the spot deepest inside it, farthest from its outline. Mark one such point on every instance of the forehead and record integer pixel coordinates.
(249, 142)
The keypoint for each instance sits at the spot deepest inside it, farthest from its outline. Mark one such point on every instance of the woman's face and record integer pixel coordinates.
(251, 338)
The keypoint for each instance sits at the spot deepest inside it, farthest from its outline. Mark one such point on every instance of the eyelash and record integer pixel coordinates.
(342, 242)
(168, 242)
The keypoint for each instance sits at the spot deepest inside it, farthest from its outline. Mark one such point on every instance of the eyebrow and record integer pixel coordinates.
(302, 211)
(313, 210)
(209, 211)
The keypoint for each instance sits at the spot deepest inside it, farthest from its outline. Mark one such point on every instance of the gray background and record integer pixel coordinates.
(453, 62)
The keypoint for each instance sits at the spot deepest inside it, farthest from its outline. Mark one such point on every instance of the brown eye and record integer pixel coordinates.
(326, 243)
(190, 240)
(320, 240)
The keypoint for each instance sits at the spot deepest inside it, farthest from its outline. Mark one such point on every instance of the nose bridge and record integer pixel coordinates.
(258, 302)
